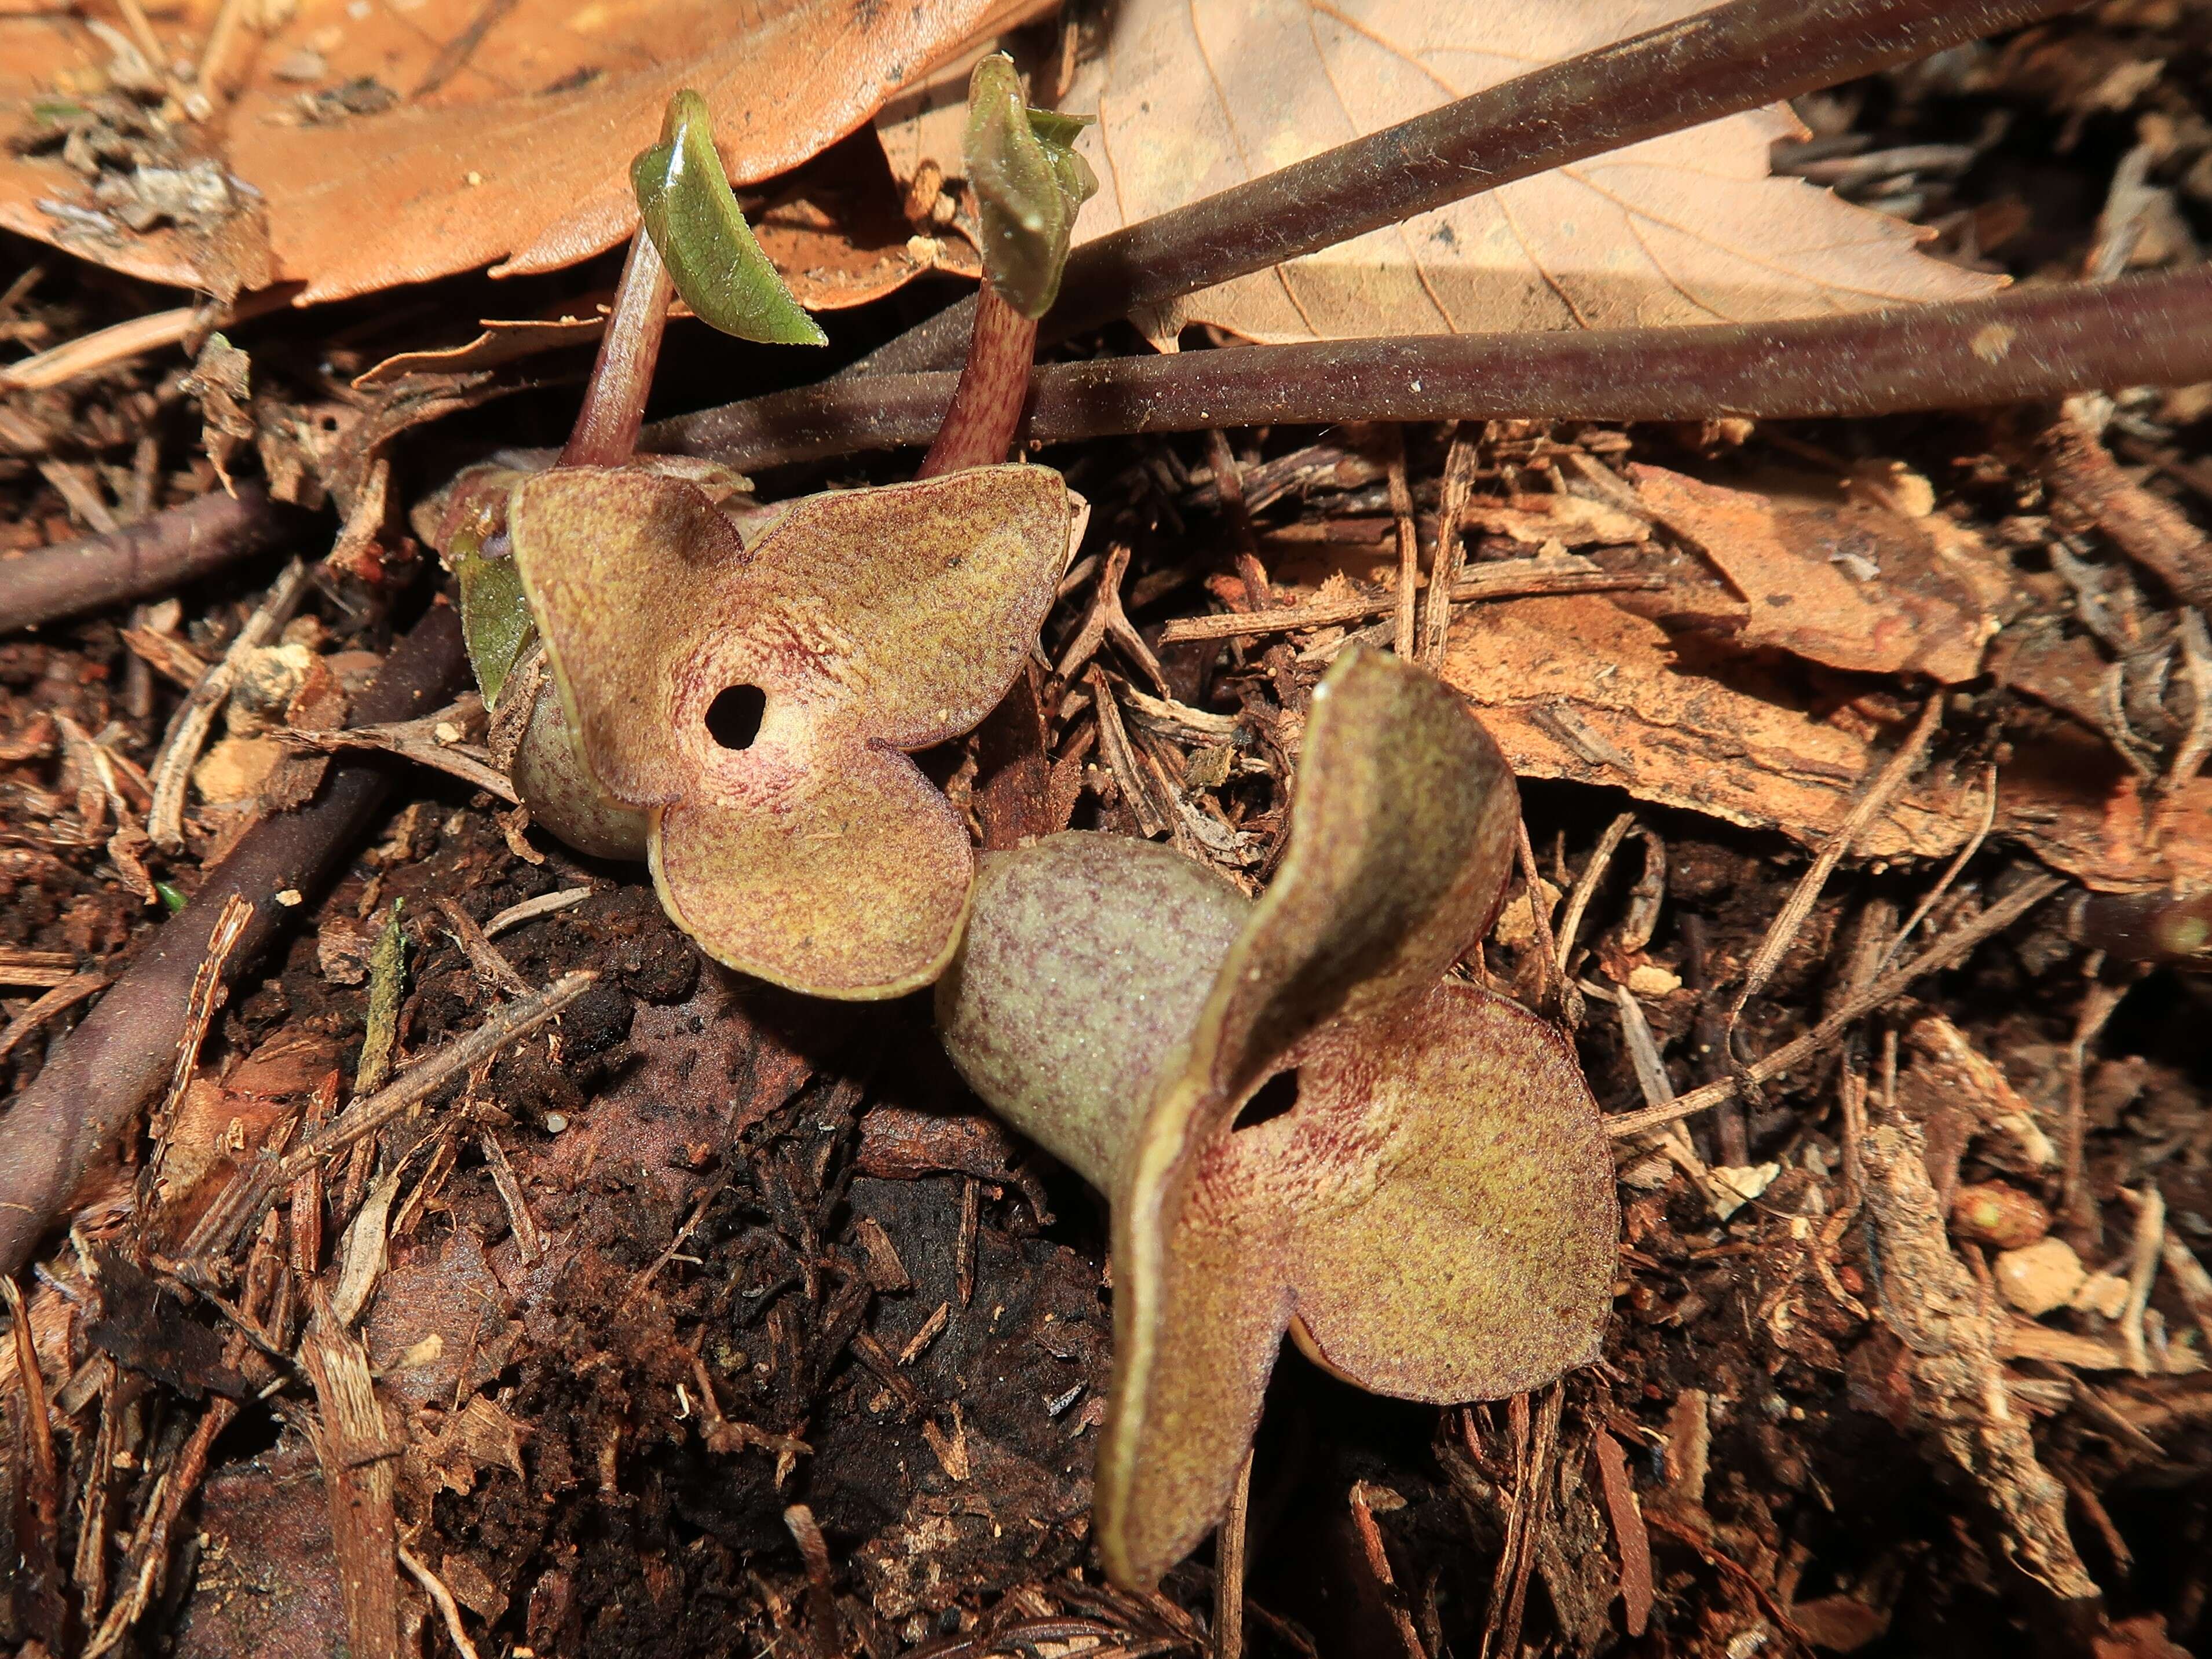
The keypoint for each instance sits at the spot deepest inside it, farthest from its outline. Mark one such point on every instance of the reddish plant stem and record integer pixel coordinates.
(987, 405)
(605, 433)
(154, 555)
(1720, 61)
(95, 1079)
(2027, 342)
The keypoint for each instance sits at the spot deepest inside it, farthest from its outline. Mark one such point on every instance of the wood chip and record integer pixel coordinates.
(1629, 1536)
(358, 1450)
(165, 820)
(1951, 1358)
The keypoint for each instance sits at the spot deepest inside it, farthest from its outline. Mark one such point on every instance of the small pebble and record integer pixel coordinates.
(304, 64)
(1736, 1184)
(2039, 1277)
(2102, 1294)
(555, 1121)
(1991, 1212)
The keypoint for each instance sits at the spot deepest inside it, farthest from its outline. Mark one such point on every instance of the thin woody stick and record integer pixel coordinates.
(1507, 579)
(2060, 338)
(1799, 905)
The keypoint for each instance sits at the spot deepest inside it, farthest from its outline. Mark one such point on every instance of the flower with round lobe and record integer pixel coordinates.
(1434, 1217)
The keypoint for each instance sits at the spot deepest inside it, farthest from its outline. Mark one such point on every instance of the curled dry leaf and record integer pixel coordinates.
(1575, 687)
(1193, 98)
(426, 143)
(754, 698)
(1846, 583)
(834, 232)
(1433, 1219)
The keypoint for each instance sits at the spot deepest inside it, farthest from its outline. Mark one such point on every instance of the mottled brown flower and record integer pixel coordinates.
(1433, 1219)
(755, 694)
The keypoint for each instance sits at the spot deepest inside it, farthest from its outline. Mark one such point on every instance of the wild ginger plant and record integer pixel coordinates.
(733, 689)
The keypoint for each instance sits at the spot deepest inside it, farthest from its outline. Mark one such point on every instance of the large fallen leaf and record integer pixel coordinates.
(1578, 688)
(834, 232)
(1193, 96)
(393, 143)
(1846, 583)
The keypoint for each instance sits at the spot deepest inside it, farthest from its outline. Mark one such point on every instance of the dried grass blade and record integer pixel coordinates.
(1781, 932)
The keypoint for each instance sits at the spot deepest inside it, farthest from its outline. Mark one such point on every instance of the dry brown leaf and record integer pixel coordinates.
(1195, 95)
(1841, 582)
(394, 144)
(1575, 687)
(502, 340)
(837, 236)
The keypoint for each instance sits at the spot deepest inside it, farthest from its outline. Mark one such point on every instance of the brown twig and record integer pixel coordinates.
(2024, 344)
(96, 1080)
(208, 985)
(1107, 620)
(151, 556)
(1731, 58)
(2089, 489)
(1364, 1497)
(1783, 931)
(1507, 579)
(188, 734)
(1593, 873)
(506, 1024)
(1951, 871)
(1558, 992)
(821, 1589)
(1229, 1567)
(63, 997)
(37, 1431)
(2076, 1202)
(149, 1548)
(1403, 598)
(1630, 1538)
(357, 1448)
(1460, 462)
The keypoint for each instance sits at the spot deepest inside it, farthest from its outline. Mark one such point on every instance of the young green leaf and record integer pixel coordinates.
(692, 216)
(1029, 184)
(496, 621)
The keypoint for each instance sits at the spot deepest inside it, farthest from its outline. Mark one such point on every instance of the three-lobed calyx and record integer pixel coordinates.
(1433, 1220)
